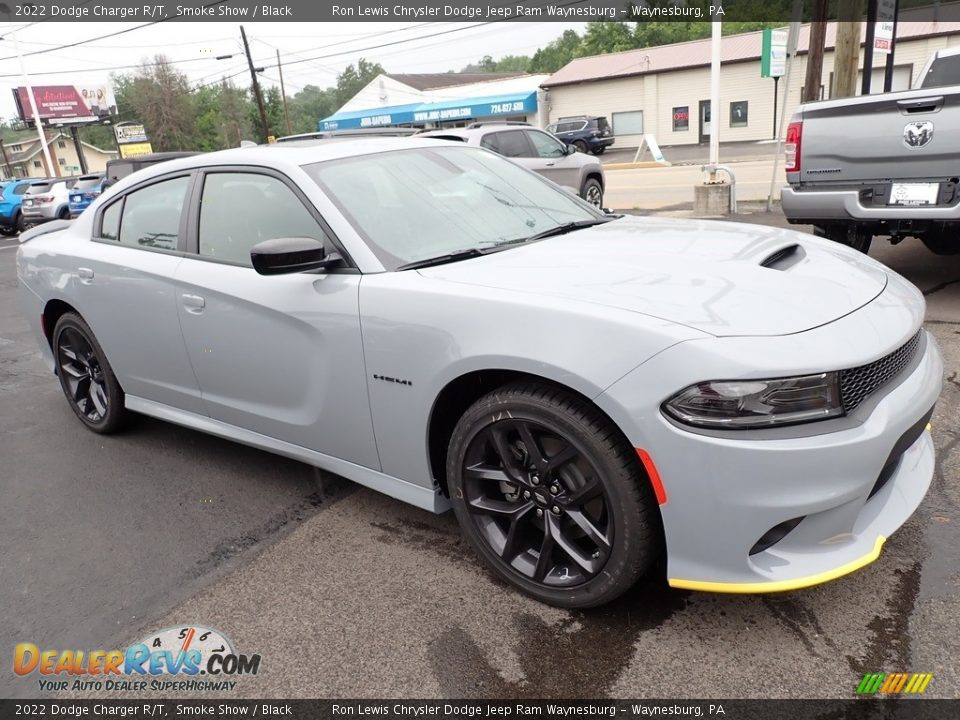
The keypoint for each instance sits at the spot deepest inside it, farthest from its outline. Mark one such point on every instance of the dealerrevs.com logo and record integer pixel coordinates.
(188, 658)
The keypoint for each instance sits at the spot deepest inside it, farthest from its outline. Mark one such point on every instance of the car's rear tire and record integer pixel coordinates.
(849, 235)
(18, 222)
(580, 145)
(551, 495)
(941, 243)
(64, 214)
(592, 192)
(87, 380)
(599, 150)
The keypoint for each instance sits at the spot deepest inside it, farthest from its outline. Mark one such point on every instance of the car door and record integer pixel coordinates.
(125, 291)
(277, 355)
(551, 159)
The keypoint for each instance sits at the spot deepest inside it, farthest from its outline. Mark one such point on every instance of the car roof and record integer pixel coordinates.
(281, 155)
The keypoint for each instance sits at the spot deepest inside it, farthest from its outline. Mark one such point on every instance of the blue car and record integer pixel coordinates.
(84, 192)
(587, 133)
(11, 197)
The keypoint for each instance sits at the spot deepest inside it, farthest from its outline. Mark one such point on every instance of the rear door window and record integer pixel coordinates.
(151, 216)
(510, 143)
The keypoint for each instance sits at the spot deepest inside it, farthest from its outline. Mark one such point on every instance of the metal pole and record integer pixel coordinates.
(33, 106)
(792, 40)
(78, 146)
(868, 47)
(283, 92)
(888, 71)
(776, 84)
(715, 96)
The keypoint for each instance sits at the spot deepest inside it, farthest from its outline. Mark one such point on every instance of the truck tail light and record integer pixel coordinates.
(43, 198)
(792, 147)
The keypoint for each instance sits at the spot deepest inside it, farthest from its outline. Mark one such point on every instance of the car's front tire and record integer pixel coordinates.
(551, 495)
(87, 380)
(592, 192)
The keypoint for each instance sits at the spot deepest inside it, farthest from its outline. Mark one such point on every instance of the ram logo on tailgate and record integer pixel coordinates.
(918, 134)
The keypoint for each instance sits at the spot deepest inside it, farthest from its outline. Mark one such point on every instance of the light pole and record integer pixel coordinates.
(33, 108)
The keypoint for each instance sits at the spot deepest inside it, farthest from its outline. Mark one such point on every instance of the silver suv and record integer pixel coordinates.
(535, 150)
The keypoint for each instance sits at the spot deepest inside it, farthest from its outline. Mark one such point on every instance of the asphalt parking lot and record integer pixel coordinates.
(347, 593)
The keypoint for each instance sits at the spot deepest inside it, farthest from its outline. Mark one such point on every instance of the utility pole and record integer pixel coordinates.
(818, 40)
(256, 87)
(283, 93)
(6, 160)
(846, 53)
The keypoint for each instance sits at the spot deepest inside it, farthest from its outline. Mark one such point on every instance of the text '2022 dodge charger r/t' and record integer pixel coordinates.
(587, 391)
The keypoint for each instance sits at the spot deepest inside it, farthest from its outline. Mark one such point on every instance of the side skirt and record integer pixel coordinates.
(421, 497)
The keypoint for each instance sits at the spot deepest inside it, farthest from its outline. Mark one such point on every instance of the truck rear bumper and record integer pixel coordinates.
(811, 205)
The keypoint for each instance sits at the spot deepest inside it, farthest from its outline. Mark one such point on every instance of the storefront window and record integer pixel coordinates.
(738, 114)
(681, 118)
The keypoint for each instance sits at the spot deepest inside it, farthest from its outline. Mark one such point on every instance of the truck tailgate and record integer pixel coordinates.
(903, 135)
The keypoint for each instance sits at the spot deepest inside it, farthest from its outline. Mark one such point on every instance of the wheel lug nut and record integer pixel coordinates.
(554, 490)
(539, 512)
(555, 509)
(535, 480)
(526, 494)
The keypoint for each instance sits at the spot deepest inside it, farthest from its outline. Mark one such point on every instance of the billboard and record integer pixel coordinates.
(65, 104)
(132, 150)
(130, 133)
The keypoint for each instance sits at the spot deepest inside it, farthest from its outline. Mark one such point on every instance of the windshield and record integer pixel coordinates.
(943, 71)
(410, 205)
(88, 183)
(39, 189)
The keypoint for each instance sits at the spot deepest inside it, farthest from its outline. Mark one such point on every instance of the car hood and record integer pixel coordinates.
(717, 277)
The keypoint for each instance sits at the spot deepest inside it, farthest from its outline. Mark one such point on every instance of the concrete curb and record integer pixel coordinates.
(636, 165)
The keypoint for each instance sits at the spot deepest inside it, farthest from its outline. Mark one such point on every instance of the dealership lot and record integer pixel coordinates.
(347, 593)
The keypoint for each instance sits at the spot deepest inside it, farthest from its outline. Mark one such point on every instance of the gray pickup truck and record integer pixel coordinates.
(884, 164)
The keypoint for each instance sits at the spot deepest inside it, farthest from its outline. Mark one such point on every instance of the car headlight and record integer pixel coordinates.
(744, 404)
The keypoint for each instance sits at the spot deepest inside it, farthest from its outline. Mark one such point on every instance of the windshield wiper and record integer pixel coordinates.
(446, 258)
(562, 229)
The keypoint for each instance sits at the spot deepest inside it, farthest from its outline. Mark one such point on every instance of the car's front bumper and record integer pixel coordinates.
(726, 490)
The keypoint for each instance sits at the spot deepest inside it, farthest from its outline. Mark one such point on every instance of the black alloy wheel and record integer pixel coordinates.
(547, 492)
(86, 377)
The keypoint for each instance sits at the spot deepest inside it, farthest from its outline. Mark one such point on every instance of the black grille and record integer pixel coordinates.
(856, 384)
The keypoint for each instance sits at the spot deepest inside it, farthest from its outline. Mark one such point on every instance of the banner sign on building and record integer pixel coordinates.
(66, 104)
(883, 28)
(773, 56)
(131, 150)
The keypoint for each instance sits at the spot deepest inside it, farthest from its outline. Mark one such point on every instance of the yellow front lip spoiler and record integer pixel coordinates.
(782, 585)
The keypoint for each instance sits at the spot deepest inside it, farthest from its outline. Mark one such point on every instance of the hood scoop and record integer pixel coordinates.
(784, 258)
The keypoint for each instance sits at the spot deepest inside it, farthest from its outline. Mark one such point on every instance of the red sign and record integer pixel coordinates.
(66, 103)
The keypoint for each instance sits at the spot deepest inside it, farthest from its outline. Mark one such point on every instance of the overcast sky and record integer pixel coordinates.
(195, 45)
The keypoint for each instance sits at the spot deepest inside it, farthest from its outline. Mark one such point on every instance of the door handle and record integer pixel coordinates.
(193, 303)
(550, 164)
(85, 275)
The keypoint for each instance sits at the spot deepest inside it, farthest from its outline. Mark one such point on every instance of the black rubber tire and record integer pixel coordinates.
(8, 231)
(580, 145)
(848, 235)
(942, 243)
(116, 415)
(599, 150)
(637, 535)
(64, 214)
(592, 187)
(18, 222)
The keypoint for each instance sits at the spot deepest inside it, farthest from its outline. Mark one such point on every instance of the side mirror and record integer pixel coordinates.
(569, 149)
(282, 256)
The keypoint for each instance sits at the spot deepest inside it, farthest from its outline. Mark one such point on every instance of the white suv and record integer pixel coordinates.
(47, 200)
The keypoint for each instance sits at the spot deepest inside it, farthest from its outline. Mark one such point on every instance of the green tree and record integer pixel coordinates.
(556, 54)
(309, 106)
(607, 37)
(159, 96)
(353, 79)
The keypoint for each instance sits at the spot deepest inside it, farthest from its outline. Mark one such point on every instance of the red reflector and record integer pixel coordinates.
(655, 481)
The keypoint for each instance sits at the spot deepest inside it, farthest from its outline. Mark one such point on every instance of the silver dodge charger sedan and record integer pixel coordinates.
(588, 392)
